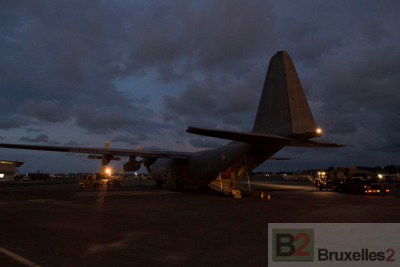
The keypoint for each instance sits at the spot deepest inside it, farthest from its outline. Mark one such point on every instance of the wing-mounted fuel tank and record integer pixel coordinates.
(132, 165)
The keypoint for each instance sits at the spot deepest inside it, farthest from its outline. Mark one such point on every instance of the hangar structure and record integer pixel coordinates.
(8, 169)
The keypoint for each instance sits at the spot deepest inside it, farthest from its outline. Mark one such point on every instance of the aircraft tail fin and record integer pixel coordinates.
(283, 108)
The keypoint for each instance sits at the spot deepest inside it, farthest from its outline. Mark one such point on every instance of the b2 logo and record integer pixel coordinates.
(292, 244)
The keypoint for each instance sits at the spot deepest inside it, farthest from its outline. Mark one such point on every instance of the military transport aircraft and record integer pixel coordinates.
(283, 119)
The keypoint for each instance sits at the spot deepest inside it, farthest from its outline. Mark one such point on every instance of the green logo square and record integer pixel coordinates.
(292, 244)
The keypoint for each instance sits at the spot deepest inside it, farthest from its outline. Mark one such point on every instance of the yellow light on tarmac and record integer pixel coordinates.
(380, 175)
(108, 170)
(319, 130)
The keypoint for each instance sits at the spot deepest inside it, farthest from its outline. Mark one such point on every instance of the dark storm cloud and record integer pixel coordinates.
(73, 52)
(374, 32)
(7, 123)
(42, 138)
(361, 97)
(4, 103)
(205, 142)
(33, 130)
(48, 111)
(223, 101)
(125, 139)
(60, 62)
(95, 122)
(313, 29)
(99, 120)
(202, 38)
(132, 139)
(73, 143)
(142, 137)
(306, 42)
(65, 54)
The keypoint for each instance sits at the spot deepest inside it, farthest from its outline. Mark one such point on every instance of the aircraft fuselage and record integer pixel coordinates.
(205, 166)
(202, 168)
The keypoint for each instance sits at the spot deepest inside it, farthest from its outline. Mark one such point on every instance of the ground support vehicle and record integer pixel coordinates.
(113, 183)
(350, 180)
(89, 180)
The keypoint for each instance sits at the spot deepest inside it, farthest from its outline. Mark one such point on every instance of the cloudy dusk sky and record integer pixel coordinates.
(80, 73)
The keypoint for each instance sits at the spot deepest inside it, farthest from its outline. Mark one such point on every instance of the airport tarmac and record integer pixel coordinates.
(60, 224)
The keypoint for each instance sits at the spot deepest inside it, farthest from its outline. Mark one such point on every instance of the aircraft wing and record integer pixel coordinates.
(105, 151)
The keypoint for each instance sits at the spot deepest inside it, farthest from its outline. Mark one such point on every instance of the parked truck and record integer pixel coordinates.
(349, 180)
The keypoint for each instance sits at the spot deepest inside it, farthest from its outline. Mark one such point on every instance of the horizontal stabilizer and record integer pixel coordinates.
(309, 143)
(100, 157)
(251, 138)
(280, 158)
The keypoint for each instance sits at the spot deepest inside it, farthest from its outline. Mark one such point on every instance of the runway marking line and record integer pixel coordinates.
(101, 195)
(18, 258)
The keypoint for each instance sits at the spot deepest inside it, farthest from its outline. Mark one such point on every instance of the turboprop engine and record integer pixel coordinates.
(132, 165)
(147, 162)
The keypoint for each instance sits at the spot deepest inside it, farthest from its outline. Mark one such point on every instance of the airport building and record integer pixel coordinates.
(8, 169)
